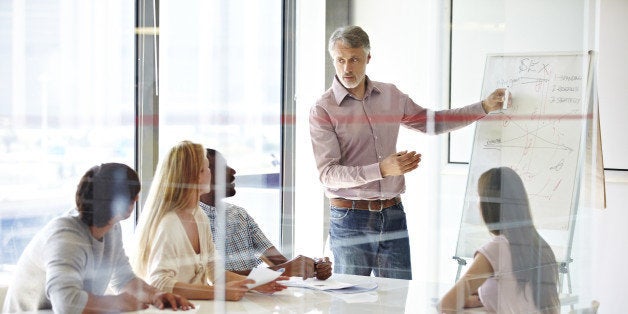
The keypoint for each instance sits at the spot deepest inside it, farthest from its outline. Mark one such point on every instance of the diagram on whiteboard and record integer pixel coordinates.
(539, 135)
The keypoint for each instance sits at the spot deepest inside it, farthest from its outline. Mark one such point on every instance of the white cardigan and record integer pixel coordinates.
(172, 258)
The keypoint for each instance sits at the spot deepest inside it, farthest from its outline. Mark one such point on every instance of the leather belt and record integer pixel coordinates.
(374, 205)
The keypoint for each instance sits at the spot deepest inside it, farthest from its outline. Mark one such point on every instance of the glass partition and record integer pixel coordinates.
(220, 85)
(66, 104)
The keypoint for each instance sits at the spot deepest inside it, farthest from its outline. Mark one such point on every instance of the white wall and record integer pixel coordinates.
(613, 90)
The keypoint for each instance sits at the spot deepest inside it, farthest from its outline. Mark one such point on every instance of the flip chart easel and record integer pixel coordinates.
(550, 135)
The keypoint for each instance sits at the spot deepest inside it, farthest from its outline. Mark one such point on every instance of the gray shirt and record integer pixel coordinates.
(63, 263)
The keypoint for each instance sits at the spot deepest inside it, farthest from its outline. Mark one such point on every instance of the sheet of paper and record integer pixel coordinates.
(330, 285)
(263, 275)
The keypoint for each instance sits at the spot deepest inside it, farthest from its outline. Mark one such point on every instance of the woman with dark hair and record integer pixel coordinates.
(69, 264)
(515, 272)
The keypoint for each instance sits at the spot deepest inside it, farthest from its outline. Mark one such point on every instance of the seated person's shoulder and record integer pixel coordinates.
(169, 219)
(235, 210)
(171, 215)
(65, 225)
(499, 240)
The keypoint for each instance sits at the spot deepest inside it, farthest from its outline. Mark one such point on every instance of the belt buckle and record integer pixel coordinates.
(381, 206)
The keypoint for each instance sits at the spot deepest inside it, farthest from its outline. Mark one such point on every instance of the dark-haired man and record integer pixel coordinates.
(70, 264)
(246, 246)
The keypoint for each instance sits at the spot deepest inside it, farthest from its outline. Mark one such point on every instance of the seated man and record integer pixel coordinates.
(246, 246)
(69, 264)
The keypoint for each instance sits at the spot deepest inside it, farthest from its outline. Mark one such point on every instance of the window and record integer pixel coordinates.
(220, 85)
(66, 104)
(67, 101)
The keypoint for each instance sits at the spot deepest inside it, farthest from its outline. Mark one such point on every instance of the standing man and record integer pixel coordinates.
(354, 128)
(246, 246)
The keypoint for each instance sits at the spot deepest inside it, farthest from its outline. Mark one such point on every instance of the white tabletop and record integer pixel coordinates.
(391, 296)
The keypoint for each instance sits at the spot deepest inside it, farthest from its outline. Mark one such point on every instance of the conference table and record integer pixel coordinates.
(390, 296)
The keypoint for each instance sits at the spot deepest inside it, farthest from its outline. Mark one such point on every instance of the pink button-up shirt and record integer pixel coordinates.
(351, 136)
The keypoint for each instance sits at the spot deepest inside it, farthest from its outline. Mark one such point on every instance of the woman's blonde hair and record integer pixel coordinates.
(175, 186)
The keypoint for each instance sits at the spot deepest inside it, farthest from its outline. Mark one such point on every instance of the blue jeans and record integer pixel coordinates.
(363, 242)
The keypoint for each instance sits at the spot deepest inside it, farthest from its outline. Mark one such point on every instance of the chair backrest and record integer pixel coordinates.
(3, 293)
(588, 310)
(594, 306)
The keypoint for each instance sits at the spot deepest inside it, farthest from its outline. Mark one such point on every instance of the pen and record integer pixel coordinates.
(505, 103)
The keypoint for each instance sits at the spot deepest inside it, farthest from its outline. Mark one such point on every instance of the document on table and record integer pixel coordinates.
(330, 285)
(263, 275)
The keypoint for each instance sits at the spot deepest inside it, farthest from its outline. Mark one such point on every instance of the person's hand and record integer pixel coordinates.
(300, 266)
(235, 290)
(126, 302)
(175, 301)
(399, 163)
(322, 267)
(272, 286)
(495, 100)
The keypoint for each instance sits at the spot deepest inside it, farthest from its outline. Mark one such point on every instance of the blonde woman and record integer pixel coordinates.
(175, 251)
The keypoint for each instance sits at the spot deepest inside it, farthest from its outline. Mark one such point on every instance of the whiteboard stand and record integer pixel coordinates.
(566, 298)
(461, 263)
(563, 269)
(563, 273)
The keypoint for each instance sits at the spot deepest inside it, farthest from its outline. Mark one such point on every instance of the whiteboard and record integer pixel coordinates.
(540, 136)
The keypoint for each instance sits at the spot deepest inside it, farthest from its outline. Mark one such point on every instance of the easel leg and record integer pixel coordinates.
(461, 262)
(564, 272)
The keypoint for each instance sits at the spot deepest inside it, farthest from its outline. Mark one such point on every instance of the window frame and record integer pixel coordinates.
(147, 108)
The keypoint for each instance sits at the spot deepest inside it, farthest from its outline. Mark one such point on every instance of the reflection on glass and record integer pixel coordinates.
(220, 85)
(66, 104)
